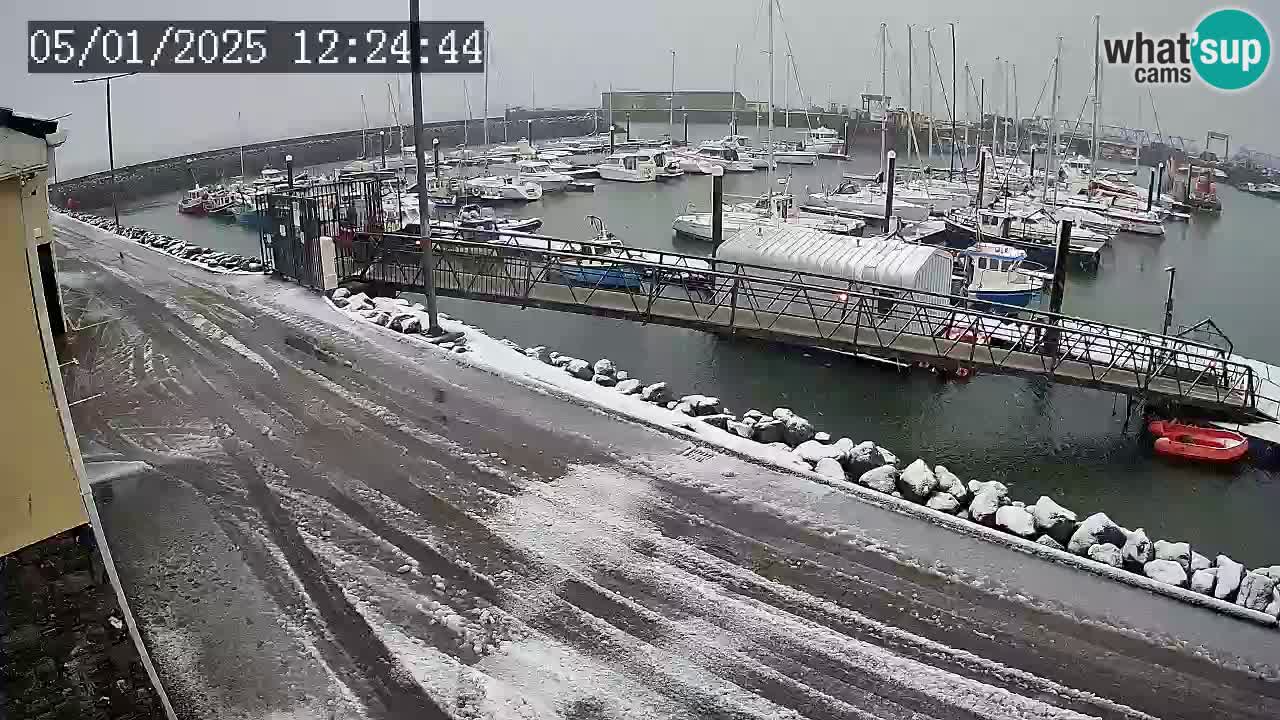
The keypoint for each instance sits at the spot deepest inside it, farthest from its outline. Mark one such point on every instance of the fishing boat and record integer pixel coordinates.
(725, 157)
(598, 265)
(540, 172)
(502, 189)
(628, 167)
(219, 202)
(192, 202)
(1000, 274)
(823, 140)
(1193, 442)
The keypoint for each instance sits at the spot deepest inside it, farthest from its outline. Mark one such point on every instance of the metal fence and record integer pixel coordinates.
(806, 308)
(291, 221)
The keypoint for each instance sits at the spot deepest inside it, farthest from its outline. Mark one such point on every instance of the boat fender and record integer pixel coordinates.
(962, 373)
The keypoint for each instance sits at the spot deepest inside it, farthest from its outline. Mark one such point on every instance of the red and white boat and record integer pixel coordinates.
(1193, 442)
(193, 203)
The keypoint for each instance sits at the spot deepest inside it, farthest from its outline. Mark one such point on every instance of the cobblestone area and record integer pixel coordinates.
(64, 649)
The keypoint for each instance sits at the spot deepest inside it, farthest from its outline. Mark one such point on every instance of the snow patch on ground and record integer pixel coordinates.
(211, 330)
(133, 243)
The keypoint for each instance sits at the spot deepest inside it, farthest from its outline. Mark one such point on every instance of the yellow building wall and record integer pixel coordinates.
(39, 489)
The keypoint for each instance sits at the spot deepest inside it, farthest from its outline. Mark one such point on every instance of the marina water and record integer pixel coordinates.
(1036, 437)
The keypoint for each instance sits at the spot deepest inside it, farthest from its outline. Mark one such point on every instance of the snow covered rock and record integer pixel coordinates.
(950, 484)
(604, 380)
(1052, 519)
(1202, 580)
(1016, 520)
(917, 482)
(741, 429)
(1169, 572)
(782, 413)
(1230, 573)
(630, 386)
(796, 430)
(1048, 541)
(943, 502)
(410, 325)
(622, 375)
(1097, 529)
(862, 457)
(1107, 554)
(1255, 591)
(1199, 562)
(1179, 552)
(767, 431)
(539, 353)
(359, 301)
(1138, 550)
(561, 360)
(1272, 572)
(988, 498)
(382, 318)
(822, 437)
(605, 366)
(811, 451)
(341, 293)
(883, 478)
(580, 369)
(830, 468)
(720, 420)
(701, 404)
(889, 457)
(752, 414)
(1273, 608)
(655, 393)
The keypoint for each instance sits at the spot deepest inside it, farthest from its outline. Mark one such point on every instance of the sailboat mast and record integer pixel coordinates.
(786, 92)
(1050, 166)
(768, 171)
(733, 112)
(884, 102)
(1017, 119)
(240, 127)
(955, 100)
(911, 120)
(929, 67)
(364, 129)
(671, 122)
(1097, 96)
(488, 60)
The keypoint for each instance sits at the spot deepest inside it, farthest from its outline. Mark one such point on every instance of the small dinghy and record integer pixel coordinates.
(1198, 443)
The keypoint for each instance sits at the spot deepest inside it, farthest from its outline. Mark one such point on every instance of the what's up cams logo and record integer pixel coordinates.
(1229, 50)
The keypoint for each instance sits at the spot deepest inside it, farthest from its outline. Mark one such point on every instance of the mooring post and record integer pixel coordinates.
(628, 127)
(435, 157)
(686, 129)
(382, 147)
(848, 141)
(1032, 174)
(612, 129)
(977, 203)
(717, 208)
(888, 185)
(1151, 190)
(1159, 176)
(1059, 287)
(530, 132)
(288, 170)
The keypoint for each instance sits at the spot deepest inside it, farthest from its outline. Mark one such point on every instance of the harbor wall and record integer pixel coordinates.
(164, 176)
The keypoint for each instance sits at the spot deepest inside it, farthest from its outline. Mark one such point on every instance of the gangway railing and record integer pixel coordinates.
(806, 308)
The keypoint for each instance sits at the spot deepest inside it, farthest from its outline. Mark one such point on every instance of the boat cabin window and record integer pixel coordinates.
(629, 162)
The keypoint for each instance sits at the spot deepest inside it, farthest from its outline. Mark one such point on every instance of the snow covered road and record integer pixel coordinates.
(332, 523)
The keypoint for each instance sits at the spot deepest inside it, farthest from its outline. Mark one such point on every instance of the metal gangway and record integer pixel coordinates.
(821, 311)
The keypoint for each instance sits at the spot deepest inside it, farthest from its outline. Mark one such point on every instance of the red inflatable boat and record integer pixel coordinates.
(1198, 443)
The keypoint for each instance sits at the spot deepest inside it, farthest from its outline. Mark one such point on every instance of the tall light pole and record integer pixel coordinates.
(111, 152)
(419, 151)
(671, 123)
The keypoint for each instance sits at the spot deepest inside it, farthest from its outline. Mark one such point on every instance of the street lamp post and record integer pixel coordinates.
(111, 153)
(419, 151)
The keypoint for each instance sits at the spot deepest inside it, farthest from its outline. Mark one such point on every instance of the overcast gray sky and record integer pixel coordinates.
(569, 50)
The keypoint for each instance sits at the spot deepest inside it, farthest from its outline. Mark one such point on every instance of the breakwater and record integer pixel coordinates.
(158, 177)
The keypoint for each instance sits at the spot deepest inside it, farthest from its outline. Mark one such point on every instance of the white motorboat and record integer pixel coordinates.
(628, 167)
(759, 159)
(823, 140)
(795, 157)
(697, 225)
(1137, 221)
(867, 201)
(540, 172)
(725, 157)
(666, 165)
(493, 188)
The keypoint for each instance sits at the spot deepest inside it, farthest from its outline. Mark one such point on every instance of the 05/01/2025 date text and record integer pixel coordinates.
(252, 47)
